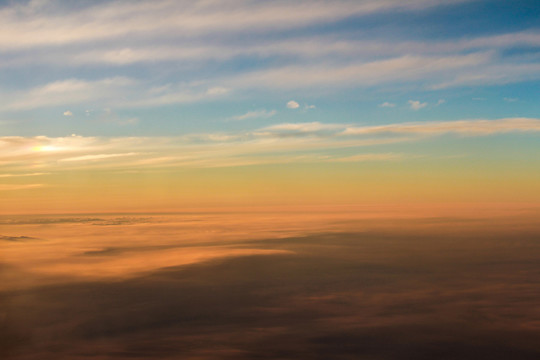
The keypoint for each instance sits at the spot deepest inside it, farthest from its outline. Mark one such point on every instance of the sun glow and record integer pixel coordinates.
(46, 148)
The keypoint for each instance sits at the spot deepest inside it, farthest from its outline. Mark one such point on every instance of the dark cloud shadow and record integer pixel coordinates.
(16, 238)
(341, 296)
(44, 220)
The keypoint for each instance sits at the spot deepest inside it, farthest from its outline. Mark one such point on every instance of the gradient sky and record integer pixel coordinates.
(130, 105)
(249, 179)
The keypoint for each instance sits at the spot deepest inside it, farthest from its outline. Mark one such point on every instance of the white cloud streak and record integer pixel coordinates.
(462, 127)
(401, 69)
(11, 187)
(69, 91)
(257, 114)
(21, 175)
(97, 157)
(369, 157)
(289, 142)
(328, 47)
(116, 91)
(24, 26)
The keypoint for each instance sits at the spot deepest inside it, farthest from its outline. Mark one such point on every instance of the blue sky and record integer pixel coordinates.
(114, 68)
(436, 99)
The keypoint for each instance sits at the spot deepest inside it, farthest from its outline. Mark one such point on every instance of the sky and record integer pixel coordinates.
(240, 179)
(167, 105)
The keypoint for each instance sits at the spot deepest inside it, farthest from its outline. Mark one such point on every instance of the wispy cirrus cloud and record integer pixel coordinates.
(280, 143)
(478, 127)
(117, 91)
(300, 48)
(256, 114)
(492, 74)
(369, 157)
(64, 92)
(400, 69)
(97, 157)
(22, 175)
(11, 187)
(51, 24)
(434, 71)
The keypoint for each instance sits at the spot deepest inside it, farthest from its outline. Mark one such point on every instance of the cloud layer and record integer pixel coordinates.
(395, 291)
